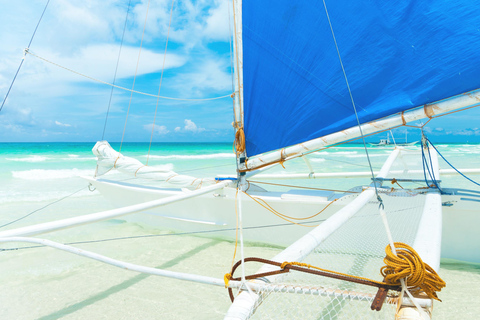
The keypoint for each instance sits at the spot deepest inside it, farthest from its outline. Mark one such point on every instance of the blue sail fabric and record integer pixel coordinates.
(397, 55)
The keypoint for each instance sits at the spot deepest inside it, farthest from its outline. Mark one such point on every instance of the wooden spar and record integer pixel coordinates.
(427, 111)
(245, 302)
(105, 215)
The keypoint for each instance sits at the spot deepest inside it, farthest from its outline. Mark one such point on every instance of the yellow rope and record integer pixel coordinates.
(285, 217)
(228, 276)
(419, 276)
(408, 265)
(239, 140)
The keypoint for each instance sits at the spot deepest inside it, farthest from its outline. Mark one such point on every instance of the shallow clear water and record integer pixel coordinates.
(43, 283)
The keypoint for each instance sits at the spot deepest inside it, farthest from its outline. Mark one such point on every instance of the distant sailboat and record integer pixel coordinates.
(387, 142)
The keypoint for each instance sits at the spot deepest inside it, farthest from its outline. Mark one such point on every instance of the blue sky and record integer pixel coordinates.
(50, 104)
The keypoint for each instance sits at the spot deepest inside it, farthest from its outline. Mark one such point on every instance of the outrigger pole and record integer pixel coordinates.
(109, 214)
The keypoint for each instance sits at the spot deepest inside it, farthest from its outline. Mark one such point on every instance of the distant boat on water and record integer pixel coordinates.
(386, 142)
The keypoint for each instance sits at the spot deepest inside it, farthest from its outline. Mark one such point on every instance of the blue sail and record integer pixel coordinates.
(397, 55)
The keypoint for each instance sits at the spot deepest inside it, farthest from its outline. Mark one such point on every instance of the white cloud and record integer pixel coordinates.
(217, 22)
(160, 130)
(177, 129)
(191, 126)
(208, 75)
(58, 123)
(468, 132)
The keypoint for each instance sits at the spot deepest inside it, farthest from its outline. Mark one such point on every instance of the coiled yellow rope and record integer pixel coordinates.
(240, 141)
(407, 264)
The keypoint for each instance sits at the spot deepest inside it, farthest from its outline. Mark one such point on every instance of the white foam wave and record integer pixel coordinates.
(77, 158)
(28, 159)
(337, 152)
(40, 174)
(191, 157)
(317, 160)
(364, 155)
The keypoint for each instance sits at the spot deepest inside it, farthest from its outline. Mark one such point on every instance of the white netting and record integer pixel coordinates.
(357, 248)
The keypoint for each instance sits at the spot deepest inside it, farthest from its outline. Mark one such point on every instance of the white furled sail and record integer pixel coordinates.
(109, 159)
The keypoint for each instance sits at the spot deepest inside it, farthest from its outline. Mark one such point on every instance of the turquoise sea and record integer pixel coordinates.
(42, 182)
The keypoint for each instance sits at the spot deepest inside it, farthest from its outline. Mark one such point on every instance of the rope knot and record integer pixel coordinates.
(227, 278)
(407, 264)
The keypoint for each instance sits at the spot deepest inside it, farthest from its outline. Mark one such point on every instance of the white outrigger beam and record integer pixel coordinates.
(109, 214)
(461, 101)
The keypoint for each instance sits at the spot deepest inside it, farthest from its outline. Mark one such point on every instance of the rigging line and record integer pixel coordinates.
(160, 85)
(478, 184)
(29, 214)
(123, 88)
(116, 69)
(23, 58)
(135, 76)
(432, 174)
(165, 235)
(353, 102)
(300, 187)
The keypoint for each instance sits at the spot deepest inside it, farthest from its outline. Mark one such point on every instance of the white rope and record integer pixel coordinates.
(160, 85)
(123, 88)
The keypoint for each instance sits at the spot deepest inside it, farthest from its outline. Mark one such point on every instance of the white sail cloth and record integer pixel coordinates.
(108, 159)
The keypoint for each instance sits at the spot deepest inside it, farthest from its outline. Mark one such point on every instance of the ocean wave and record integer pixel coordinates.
(41, 174)
(29, 159)
(371, 155)
(77, 158)
(197, 156)
(336, 152)
(317, 160)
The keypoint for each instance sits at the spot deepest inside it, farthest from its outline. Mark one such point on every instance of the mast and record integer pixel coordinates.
(238, 67)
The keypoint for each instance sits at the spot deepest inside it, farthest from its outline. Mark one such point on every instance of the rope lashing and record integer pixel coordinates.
(408, 265)
(395, 181)
(419, 276)
(239, 141)
(227, 278)
(302, 267)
